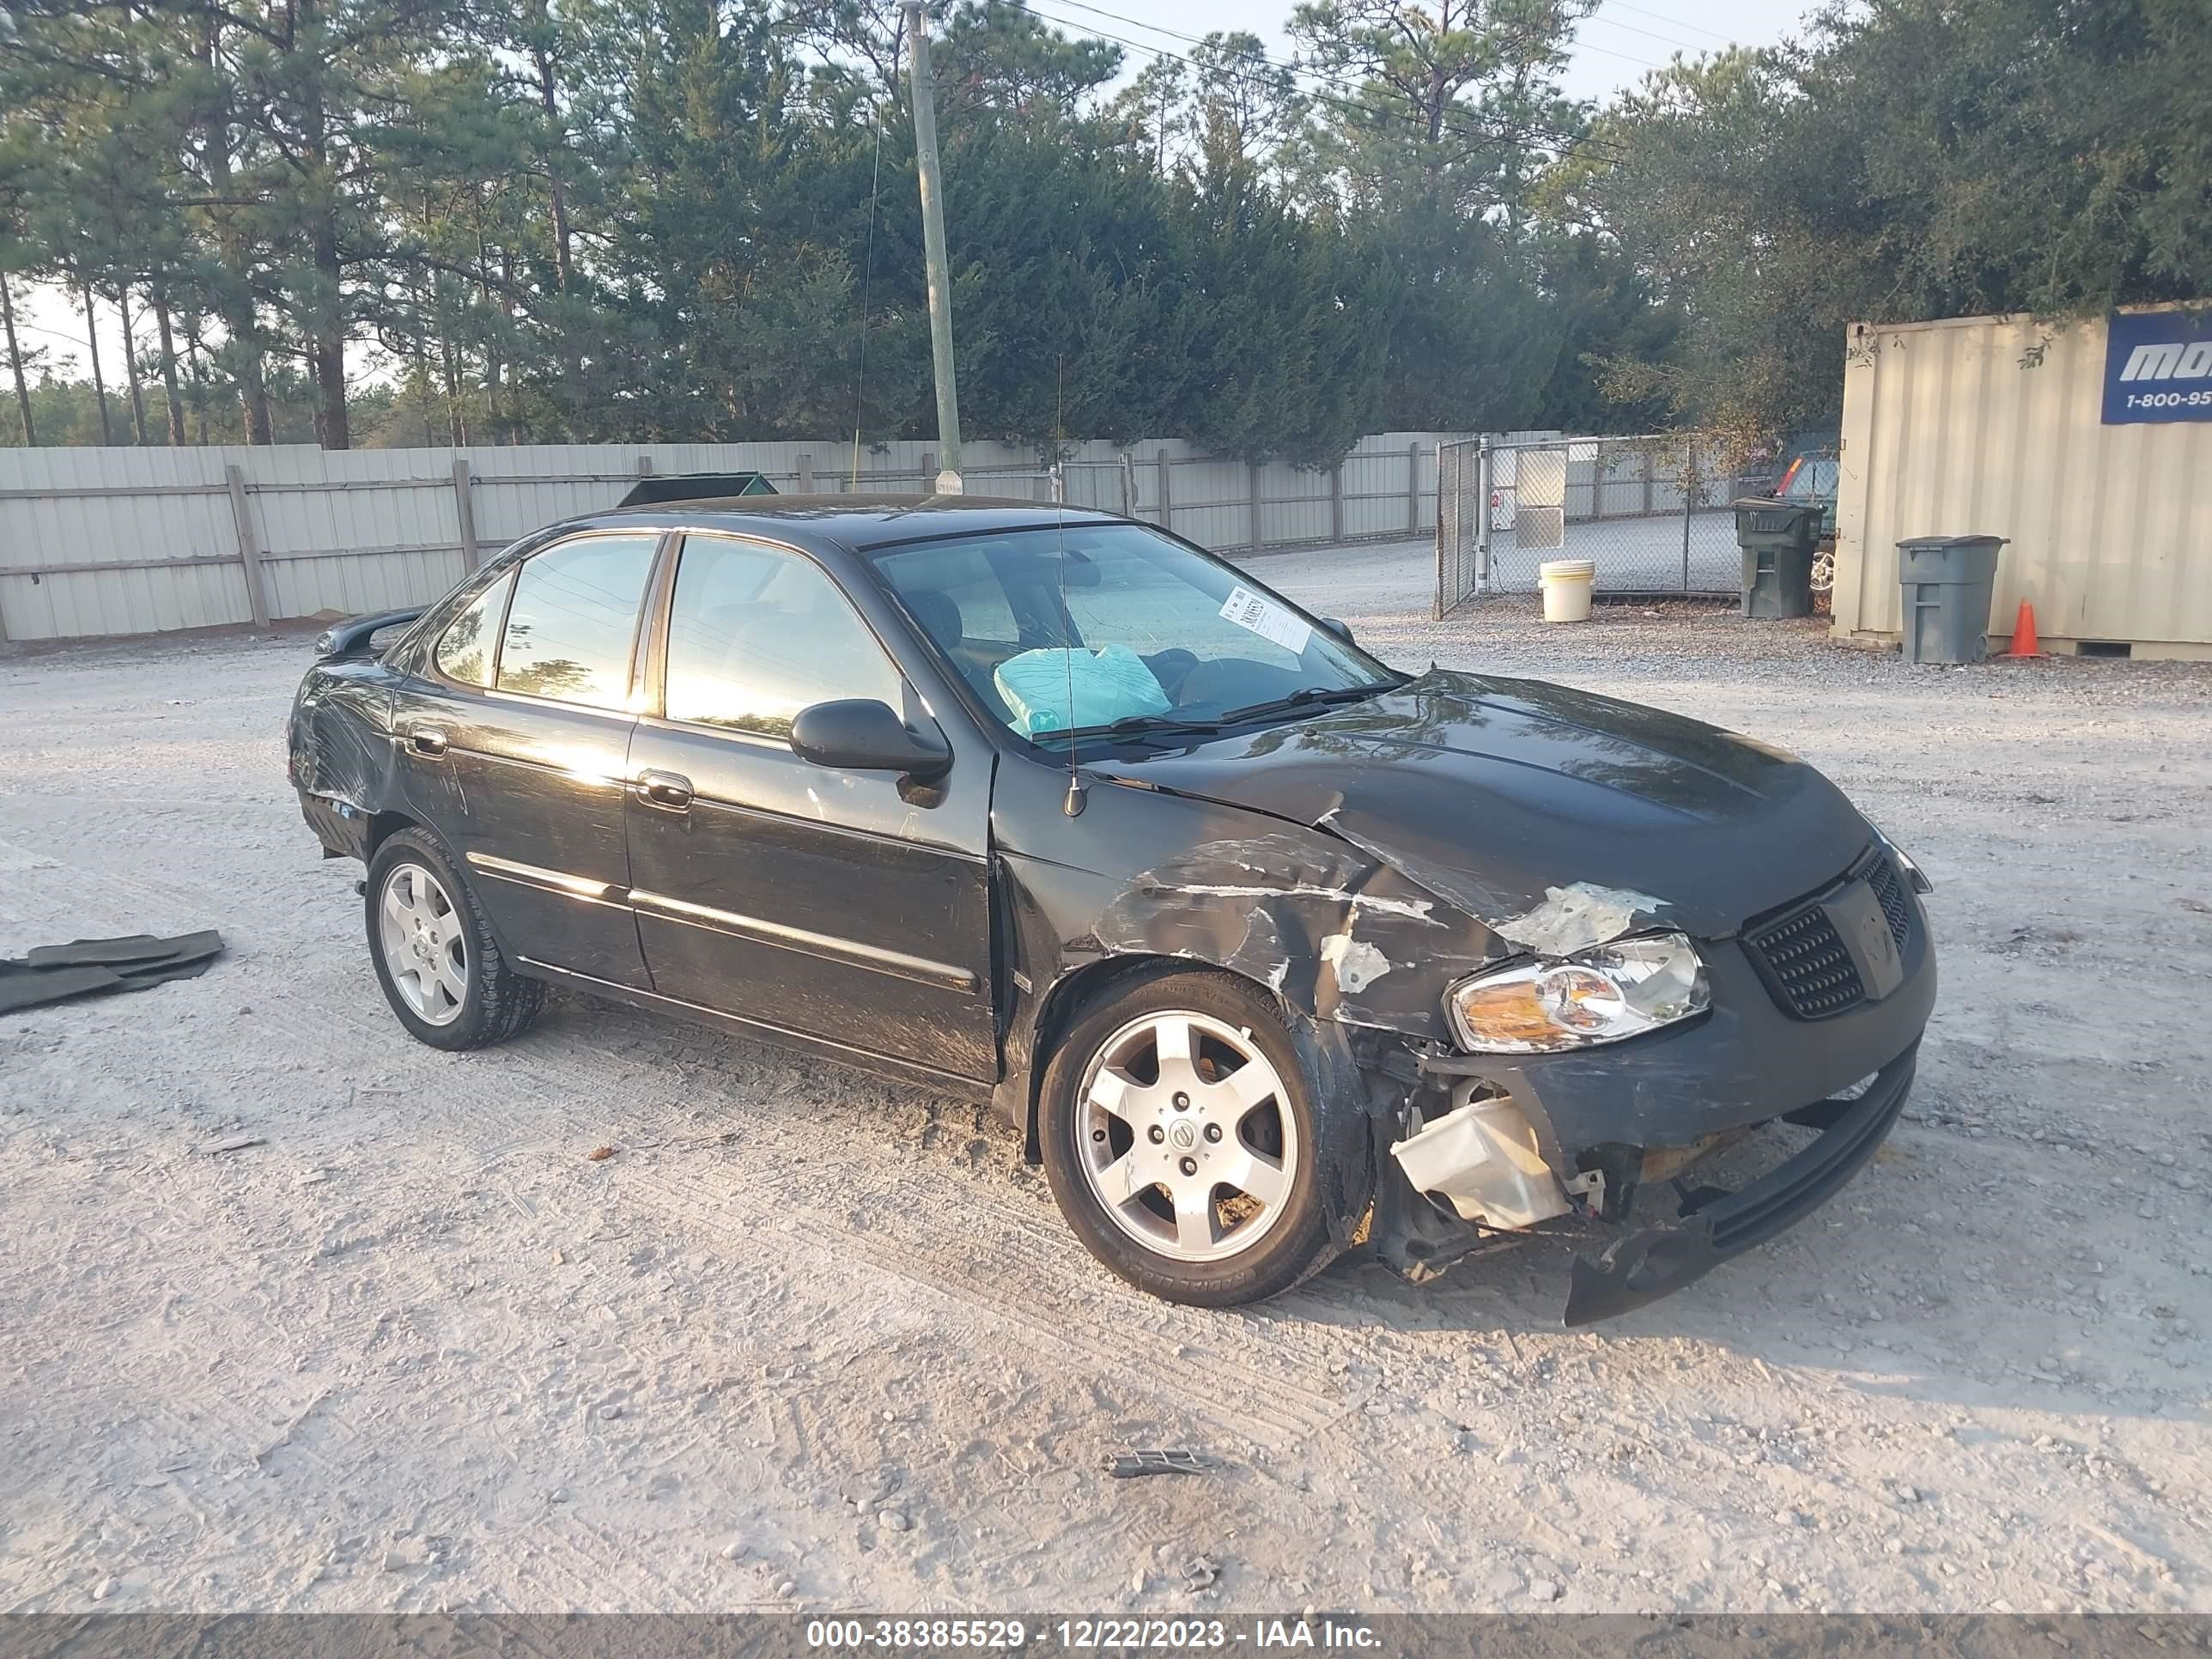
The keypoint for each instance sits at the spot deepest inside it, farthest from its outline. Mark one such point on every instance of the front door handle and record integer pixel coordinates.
(670, 791)
(428, 740)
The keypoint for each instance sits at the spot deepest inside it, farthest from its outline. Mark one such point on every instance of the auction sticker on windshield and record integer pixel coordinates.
(1263, 617)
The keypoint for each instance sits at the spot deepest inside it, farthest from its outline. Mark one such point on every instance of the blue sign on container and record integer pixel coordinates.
(2158, 367)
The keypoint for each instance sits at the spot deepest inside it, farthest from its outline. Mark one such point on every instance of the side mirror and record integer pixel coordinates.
(1342, 630)
(859, 734)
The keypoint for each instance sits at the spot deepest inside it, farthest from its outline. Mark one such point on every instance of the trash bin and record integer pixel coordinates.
(1945, 606)
(1776, 538)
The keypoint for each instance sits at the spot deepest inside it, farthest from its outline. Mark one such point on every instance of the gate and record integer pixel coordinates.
(1651, 513)
(1459, 466)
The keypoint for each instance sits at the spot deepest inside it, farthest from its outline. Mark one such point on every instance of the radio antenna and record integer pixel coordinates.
(1073, 805)
(867, 271)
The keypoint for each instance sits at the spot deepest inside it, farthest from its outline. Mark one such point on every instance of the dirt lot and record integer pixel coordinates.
(810, 1339)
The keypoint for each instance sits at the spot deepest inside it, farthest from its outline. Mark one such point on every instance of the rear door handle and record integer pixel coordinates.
(670, 791)
(428, 740)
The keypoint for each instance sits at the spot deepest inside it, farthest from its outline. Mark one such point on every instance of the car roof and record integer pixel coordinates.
(855, 523)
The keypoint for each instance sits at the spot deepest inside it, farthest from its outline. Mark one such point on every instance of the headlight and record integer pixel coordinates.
(1602, 995)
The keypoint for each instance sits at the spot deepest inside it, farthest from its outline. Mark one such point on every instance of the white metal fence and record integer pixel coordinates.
(97, 542)
(1651, 513)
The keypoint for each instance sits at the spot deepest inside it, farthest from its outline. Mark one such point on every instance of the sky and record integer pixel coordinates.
(1614, 47)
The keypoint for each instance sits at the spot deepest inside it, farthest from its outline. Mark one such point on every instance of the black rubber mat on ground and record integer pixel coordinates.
(88, 967)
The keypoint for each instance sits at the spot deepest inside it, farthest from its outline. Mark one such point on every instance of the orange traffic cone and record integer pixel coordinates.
(2024, 643)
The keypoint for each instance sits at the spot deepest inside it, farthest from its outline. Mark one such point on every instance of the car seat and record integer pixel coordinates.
(939, 616)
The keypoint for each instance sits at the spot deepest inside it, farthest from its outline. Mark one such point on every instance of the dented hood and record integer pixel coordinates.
(1509, 797)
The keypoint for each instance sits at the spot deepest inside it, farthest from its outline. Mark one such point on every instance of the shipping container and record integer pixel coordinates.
(2087, 445)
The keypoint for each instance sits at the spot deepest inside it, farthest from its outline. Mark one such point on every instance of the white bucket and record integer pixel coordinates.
(1566, 583)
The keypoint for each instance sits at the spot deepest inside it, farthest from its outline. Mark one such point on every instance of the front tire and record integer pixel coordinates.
(432, 944)
(1179, 1140)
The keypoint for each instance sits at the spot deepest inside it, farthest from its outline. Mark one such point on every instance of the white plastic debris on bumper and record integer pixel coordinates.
(1481, 1156)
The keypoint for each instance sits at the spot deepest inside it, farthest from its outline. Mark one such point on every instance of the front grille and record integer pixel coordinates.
(1802, 957)
(1889, 888)
(1809, 970)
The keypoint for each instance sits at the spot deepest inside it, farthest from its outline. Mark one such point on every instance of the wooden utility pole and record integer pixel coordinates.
(933, 245)
(249, 545)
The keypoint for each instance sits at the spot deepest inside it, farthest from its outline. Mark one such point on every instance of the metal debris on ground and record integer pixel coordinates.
(1131, 1465)
(89, 967)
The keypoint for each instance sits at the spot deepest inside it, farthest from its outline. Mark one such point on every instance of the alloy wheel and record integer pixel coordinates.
(1186, 1137)
(425, 944)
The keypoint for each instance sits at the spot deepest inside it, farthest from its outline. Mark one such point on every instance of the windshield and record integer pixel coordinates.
(1078, 628)
(1811, 478)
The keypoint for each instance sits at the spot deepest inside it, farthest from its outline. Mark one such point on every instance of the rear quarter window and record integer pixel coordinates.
(464, 649)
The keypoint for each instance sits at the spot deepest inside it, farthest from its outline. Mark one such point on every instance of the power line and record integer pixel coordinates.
(1650, 34)
(1660, 17)
(40, 328)
(1625, 58)
(1155, 28)
(1293, 70)
(1562, 141)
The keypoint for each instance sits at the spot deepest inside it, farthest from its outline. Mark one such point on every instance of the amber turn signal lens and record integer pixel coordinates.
(1507, 1012)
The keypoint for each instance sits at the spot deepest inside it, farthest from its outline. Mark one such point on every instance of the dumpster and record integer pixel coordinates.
(1944, 609)
(660, 488)
(1777, 538)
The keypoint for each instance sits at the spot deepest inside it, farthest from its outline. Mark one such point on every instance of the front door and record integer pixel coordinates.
(518, 750)
(849, 908)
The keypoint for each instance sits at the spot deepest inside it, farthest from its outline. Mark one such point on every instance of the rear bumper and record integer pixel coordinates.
(1658, 1261)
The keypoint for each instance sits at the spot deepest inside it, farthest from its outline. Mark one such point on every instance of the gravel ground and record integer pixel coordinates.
(807, 1339)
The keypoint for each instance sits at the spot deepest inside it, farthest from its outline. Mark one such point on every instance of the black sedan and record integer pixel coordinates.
(1269, 949)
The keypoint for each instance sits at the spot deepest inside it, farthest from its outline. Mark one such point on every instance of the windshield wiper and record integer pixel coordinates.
(1139, 726)
(1145, 725)
(1311, 696)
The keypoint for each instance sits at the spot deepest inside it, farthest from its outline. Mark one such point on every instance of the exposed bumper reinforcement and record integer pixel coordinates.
(1659, 1261)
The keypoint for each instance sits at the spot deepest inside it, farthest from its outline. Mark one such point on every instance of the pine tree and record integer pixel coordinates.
(15, 361)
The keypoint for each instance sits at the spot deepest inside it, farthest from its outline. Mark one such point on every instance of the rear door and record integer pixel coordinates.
(519, 753)
(849, 908)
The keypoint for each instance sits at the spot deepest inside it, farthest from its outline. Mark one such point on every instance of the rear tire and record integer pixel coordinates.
(435, 956)
(1178, 1128)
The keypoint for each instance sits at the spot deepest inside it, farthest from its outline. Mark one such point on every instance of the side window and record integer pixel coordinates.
(963, 574)
(464, 649)
(576, 608)
(755, 635)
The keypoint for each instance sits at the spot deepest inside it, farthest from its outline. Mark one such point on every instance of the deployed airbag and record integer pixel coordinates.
(1109, 683)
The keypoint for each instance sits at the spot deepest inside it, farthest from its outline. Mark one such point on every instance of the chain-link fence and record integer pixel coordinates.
(1460, 467)
(1651, 513)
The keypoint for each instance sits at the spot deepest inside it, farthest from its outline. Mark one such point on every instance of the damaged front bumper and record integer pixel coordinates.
(1656, 1261)
(1607, 1121)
